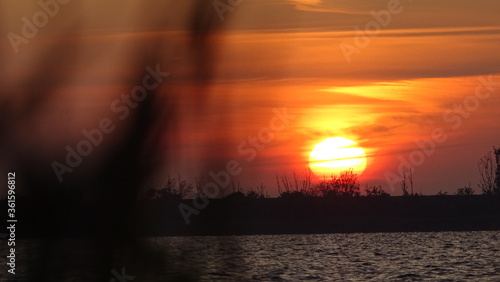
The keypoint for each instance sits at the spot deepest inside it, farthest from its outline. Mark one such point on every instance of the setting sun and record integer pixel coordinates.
(336, 154)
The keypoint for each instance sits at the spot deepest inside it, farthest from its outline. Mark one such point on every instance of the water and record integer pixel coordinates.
(380, 257)
(443, 256)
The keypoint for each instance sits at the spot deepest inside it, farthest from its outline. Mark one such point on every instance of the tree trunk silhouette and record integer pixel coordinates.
(497, 172)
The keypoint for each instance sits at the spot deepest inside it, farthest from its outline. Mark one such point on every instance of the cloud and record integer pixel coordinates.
(321, 7)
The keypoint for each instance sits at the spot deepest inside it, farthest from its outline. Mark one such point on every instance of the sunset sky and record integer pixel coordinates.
(419, 74)
(408, 81)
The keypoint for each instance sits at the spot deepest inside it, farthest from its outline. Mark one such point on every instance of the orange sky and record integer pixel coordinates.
(276, 54)
(393, 93)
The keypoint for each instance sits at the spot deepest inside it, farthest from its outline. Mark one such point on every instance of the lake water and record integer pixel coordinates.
(444, 256)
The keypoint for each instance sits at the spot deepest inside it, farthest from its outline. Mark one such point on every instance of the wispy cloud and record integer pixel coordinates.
(322, 7)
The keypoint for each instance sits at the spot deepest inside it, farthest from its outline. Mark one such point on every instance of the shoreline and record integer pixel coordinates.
(266, 216)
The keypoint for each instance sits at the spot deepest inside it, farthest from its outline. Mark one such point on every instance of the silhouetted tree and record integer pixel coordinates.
(295, 185)
(307, 184)
(175, 188)
(375, 191)
(442, 193)
(497, 172)
(486, 169)
(345, 184)
(404, 184)
(410, 178)
(465, 191)
(258, 193)
(489, 172)
(201, 189)
(236, 185)
(348, 183)
(261, 191)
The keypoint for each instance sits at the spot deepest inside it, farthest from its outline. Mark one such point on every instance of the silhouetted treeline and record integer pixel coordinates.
(252, 215)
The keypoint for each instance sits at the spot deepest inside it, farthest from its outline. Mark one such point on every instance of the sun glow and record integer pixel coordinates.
(336, 154)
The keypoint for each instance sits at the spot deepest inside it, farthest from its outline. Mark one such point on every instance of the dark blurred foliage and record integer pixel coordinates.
(111, 241)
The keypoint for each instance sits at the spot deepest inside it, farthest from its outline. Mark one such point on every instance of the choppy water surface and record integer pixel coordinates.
(447, 256)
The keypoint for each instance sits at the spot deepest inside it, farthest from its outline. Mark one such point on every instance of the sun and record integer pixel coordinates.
(336, 154)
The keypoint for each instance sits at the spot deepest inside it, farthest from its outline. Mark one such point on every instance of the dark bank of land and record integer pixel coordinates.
(237, 216)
